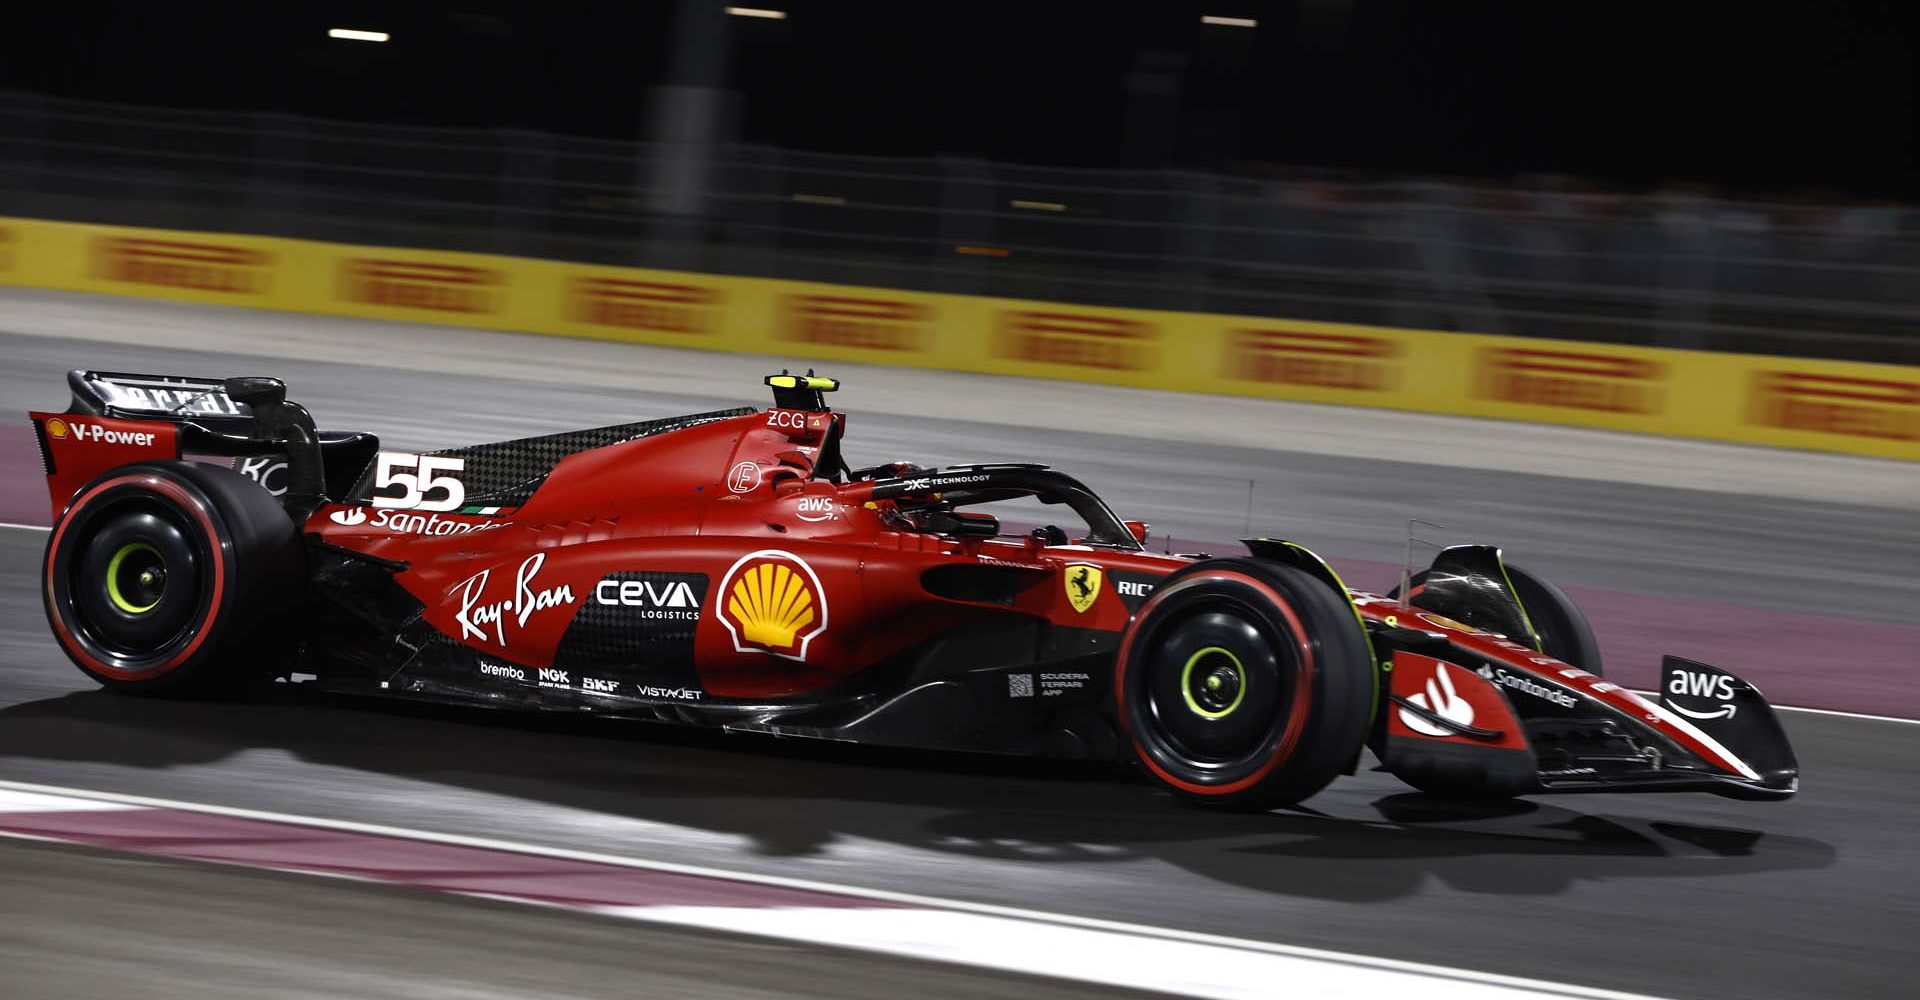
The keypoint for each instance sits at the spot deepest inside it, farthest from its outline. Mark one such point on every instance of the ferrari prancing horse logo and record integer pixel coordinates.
(1083, 584)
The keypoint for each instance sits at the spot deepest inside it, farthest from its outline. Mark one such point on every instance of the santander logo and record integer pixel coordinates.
(1441, 699)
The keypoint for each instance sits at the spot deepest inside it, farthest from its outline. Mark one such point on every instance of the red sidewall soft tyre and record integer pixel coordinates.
(1244, 684)
(1563, 627)
(221, 573)
(1564, 631)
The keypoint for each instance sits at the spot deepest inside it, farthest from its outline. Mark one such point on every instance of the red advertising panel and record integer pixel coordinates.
(645, 305)
(1836, 404)
(1578, 380)
(1322, 360)
(1078, 339)
(203, 266)
(413, 284)
(841, 321)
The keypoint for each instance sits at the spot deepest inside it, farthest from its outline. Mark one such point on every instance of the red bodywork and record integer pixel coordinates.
(79, 447)
(702, 500)
(805, 584)
(707, 499)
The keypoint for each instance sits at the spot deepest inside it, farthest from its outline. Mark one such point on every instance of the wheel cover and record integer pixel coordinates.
(136, 578)
(133, 577)
(1213, 683)
(1215, 690)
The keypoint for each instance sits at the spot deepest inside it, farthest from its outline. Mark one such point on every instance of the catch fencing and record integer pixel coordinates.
(1676, 269)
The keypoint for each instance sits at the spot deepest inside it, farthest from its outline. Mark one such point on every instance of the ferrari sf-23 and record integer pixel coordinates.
(731, 570)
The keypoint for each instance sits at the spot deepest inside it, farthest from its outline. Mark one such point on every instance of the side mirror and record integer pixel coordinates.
(961, 524)
(254, 391)
(1138, 529)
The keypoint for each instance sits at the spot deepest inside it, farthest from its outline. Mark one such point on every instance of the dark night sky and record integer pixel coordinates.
(1781, 97)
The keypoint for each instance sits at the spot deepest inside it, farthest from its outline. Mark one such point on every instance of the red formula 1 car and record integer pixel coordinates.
(728, 569)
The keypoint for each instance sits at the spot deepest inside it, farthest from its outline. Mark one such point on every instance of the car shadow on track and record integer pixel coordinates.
(1375, 841)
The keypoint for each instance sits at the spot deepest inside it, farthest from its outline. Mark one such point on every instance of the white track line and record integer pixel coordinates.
(13, 801)
(25, 527)
(977, 934)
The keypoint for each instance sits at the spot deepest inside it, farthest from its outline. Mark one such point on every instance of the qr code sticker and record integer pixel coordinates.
(1019, 685)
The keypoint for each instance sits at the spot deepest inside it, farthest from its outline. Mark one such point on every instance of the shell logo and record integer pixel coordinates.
(772, 602)
(56, 428)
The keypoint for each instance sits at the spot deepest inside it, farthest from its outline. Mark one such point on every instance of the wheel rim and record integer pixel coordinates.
(1215, 690)
(1213, 682)
(136, 578)
(134, 590)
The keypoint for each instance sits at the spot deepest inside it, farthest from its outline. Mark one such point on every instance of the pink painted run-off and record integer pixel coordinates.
(421, 864)
(23, 484)
(1811, 661)
(1808, 661)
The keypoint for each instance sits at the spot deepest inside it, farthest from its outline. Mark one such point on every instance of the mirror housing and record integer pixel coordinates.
(963, 524)
(255, 391)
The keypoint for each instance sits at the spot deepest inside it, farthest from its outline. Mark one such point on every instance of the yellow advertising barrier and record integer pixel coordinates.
(1861, 409)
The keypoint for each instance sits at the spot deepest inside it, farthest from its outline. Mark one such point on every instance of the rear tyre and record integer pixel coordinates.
(1244, 684)
(173, 578)
(1564, 632)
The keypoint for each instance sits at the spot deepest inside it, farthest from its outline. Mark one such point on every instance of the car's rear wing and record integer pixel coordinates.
(174, 398)
(116, 418)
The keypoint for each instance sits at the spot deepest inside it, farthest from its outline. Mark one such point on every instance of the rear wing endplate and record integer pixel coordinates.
(248, 415)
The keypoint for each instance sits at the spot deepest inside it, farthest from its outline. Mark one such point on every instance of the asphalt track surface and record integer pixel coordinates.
(260, 934)
(1674, 895)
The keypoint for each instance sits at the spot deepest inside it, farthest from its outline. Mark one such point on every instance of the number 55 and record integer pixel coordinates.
(415, 486)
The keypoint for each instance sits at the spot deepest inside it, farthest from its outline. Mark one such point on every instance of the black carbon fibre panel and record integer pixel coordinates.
(637, 628)
(506, 473)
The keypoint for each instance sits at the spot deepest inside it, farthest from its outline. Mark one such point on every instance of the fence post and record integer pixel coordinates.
(689, 121)
(279, 168)
(750, 227)
(1461, 296)
(1685, 237)
(523, 193)
(966, 220)
(23, 123)
(1187, 242)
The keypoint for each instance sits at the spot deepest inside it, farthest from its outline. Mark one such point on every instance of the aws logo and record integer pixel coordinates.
(772, 602)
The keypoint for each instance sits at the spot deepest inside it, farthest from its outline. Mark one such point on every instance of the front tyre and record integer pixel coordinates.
(1244, 684)
(1564, 632)
(173, 578)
